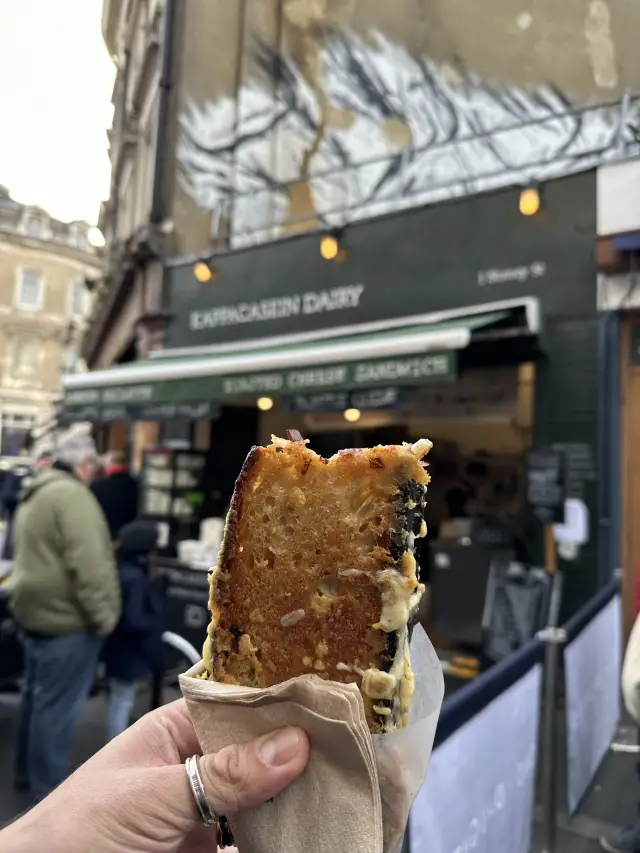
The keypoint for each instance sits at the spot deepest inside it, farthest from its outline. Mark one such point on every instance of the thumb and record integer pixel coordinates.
(238, 777)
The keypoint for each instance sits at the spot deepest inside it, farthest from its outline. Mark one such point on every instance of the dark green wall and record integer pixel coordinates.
(567, 415)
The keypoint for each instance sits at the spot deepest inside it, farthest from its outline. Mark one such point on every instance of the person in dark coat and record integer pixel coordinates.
(10, 495)
(134, 649)
(117, 494)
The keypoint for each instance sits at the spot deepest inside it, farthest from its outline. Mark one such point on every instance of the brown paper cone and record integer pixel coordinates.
(355, 786)
(335, 803)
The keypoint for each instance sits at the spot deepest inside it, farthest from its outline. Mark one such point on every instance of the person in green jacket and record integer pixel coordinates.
(65, 596)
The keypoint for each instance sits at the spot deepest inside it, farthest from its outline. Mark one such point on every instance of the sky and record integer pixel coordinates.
(56, 80)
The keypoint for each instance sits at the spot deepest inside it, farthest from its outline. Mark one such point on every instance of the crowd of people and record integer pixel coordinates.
(82, 590)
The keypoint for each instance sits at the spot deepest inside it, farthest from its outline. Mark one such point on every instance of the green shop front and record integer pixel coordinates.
(466, 323)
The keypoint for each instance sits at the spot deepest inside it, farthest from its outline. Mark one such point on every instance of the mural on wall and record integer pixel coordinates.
(381, 129)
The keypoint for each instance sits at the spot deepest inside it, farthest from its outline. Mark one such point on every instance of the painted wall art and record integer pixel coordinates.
(381, 129)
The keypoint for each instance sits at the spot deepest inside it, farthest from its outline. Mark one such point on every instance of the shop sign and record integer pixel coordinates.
(376, 398)
(277, 308)
(331, 401)
(338, 401)
(350, 376)
(519, 274)
(419, 261)
(151, 412)
(184, 411)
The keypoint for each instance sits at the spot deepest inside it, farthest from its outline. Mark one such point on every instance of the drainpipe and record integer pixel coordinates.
(158, 202)
(217, 217)
(122, 118)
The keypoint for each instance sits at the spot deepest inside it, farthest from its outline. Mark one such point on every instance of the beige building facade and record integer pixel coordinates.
(44, 302)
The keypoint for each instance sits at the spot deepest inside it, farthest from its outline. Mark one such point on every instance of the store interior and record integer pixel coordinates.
(481, 428)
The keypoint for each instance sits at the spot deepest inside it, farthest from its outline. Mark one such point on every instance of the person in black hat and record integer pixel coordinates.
(134, 648)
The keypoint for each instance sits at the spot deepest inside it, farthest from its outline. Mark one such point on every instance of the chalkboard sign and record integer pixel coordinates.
(546, 485)
(186, 602)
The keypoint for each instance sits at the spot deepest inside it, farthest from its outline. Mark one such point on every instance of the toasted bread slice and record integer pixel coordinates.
(317, 573)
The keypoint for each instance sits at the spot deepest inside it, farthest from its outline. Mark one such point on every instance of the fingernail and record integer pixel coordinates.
(280, 748)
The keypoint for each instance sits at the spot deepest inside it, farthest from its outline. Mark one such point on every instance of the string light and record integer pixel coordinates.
(352, 415)
(265, 404)
(529, 201)
(329, 247)
(202, 272)
(205, 271)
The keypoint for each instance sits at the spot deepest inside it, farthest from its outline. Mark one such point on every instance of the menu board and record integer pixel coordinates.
(580, 468)
(186, 602)
(546, 485)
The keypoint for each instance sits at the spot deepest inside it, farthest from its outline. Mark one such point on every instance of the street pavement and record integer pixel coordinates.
(611, 801)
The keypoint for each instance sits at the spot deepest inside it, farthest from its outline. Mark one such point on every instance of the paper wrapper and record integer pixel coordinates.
(357, 790)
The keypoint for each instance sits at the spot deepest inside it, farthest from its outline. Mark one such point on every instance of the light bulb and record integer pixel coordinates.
(329, 247)
(202, 272)
(352, 415)
(265, 404)
(529, 201)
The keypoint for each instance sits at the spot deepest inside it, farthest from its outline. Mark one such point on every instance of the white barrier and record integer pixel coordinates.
(479, 791)
(592, 663)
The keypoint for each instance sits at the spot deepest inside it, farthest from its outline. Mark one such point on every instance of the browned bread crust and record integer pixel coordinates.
(316, 572)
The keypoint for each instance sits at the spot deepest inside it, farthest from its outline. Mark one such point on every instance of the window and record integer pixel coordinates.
(78, 237)
(26, 358)
(15, 429)
(30, 290)
(78, 298)
(33, 226)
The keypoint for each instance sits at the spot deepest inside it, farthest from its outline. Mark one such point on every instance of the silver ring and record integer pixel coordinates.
(207, 814)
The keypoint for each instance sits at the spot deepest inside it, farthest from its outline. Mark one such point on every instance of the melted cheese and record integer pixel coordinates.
(207, 649)
(407, 688)
(421, 448)
(321, 604)
(409, 569)
(378, 685)
(396, 600)
(246, 647)
(247, 650)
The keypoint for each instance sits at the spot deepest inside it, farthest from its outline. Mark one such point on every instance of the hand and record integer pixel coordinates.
(106, 630)
(134, 796)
